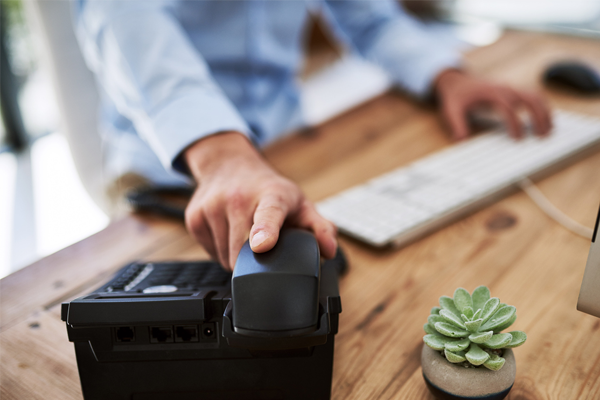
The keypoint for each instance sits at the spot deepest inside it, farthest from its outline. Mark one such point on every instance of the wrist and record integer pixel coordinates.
(209, 154)
(447, 77)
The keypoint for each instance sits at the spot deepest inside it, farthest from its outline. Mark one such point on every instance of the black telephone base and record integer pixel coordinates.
(161, 331)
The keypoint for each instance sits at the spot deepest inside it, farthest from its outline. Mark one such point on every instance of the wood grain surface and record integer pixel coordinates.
(524, 257)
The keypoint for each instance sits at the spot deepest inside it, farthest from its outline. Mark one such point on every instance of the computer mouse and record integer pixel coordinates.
(575, 75)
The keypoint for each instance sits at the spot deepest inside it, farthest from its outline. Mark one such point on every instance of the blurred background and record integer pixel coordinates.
(50, 194)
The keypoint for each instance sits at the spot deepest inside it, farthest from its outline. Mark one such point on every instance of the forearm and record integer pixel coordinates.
(153, 75)
(410, 52)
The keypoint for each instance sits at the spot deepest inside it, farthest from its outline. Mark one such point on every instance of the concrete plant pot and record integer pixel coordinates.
(448, 381)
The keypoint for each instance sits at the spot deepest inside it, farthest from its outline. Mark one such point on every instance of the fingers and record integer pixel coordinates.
(460, 93)
(207, 223)
(502, 102)
(221, 222)
(269, 219)
(199, 229)
(269, 216)
(239, 215)
(455, 115)
(215, 217)
(539, 111)
(324, 230)
(501, 99)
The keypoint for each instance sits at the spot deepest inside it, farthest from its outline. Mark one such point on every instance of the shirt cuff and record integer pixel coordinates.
(190, 118)
(413, 55)
(421, 77)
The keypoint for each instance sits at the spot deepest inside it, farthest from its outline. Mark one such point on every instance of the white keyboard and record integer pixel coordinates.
(411, 201)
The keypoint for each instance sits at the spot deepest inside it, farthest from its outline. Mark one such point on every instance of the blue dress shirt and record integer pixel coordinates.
(172, 72)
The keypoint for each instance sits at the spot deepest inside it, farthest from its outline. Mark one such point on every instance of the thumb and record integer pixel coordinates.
(268, 219)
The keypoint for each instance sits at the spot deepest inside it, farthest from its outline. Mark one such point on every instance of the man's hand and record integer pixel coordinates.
(239, 196)
(459, 93)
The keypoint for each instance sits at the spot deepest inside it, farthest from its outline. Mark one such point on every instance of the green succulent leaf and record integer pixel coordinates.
(518, 338)
(449, 330)
(455, 357)
(468, 312)
(481, 337)
(506, 325)
(436, 341)
(448, 304)
(462, 300)
(457, 345)
(481, 294)
(468, 326)
(432, 319)
(473, 326)
(500, 317)
(429, 329)
(501, 306)
(476, 355)
(489, 308)
(452, 319)
(495, 362)
(498, 341)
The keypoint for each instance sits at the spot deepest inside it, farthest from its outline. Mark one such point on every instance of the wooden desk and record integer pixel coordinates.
(524, 257)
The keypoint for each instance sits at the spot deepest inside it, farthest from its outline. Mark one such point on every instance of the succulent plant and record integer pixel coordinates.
(467, 328)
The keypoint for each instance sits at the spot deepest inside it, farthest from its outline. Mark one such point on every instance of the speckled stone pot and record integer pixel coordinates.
(449, 381)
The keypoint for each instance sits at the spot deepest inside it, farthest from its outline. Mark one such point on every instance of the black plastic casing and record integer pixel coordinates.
(276, 294)
(120, 355)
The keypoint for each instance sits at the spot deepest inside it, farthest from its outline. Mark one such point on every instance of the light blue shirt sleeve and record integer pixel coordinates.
(154, 75)
(382, 32)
